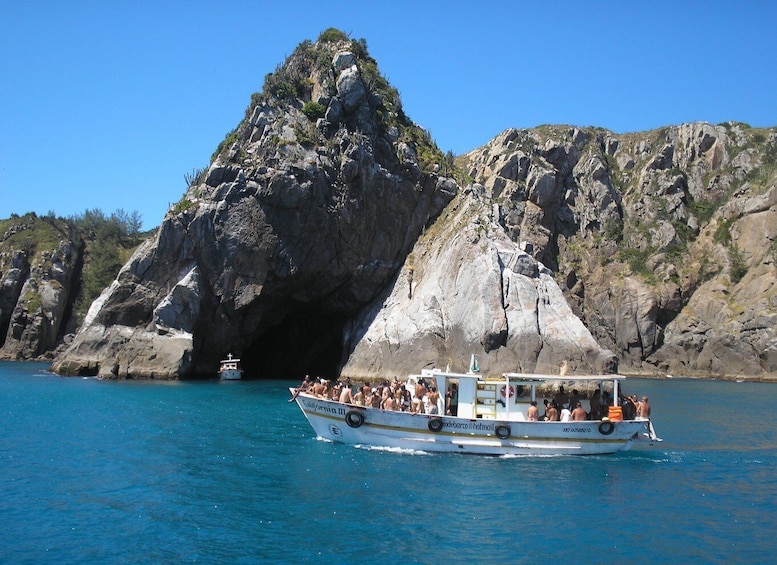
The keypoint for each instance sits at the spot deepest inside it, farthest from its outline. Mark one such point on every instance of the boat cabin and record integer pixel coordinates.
(509, 397)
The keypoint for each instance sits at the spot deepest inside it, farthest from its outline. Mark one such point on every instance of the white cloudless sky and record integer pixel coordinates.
(108, 104)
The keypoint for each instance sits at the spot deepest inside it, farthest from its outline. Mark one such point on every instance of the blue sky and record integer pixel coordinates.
(107, 104)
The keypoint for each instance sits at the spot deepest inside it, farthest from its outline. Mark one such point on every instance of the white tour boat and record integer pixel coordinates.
(229, 369)
(490, 419)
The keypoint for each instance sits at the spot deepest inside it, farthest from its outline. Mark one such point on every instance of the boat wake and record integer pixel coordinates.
(400, 450)
(535, 455)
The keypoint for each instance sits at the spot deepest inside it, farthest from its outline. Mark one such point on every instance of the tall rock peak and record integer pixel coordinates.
(306, 212)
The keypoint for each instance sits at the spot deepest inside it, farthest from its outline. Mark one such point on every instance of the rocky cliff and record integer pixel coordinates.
(327, 233)
(39, 267)
(305, 214)
(467, 288)
(664, 242)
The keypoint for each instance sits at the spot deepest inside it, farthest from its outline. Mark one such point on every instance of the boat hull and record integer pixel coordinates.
(231, 375)
(372, 427)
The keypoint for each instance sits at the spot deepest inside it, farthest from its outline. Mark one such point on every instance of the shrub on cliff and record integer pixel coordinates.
(313, 110)
(110, 241)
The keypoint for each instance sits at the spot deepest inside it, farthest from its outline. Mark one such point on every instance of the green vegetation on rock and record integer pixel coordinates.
(313, 110)
(110, 241)
(291, 86)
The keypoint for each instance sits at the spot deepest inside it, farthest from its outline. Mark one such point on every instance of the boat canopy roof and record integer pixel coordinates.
(525, 378)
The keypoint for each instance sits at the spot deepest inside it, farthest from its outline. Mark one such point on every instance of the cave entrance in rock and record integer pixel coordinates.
(308, 342)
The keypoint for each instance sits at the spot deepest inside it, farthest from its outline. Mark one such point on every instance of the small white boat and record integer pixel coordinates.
(229, 369)
(490, 419)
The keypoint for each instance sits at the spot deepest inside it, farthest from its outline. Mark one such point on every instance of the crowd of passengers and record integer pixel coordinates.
(424, 398)
(565, 407)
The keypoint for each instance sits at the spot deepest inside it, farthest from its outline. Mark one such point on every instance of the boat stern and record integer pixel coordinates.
(647, 435)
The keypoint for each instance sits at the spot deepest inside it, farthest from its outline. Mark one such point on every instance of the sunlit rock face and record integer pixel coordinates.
(664, 242)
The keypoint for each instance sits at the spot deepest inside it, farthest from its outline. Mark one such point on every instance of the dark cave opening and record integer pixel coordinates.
(307, 342)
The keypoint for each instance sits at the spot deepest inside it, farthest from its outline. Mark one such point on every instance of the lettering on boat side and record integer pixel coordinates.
(475, 426)
(578, 430)
(323, 408)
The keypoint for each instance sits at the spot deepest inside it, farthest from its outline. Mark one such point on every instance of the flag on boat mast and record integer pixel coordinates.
(473, 364)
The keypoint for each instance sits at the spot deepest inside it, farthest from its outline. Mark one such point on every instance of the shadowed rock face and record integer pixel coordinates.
(280, 241)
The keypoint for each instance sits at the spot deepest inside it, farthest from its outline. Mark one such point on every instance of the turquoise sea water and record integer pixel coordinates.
(148, 472)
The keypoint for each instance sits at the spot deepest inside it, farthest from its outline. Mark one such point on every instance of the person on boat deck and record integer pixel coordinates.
(428, 407)
(562, 398)
(552, 412)
(636, 402)
(532, 413)
(407, 400)
(420, 392)
(358, 398)
(544, 417)
(346, 395)
(303, 387)
(375, 398)
(387, 401)
(644, 408)
(629, 407)
(434, 400)
(397, 398)
(578, 414)
(566, 415)
(596, 407)
(318, 388)
(574, 399)
(452, 400)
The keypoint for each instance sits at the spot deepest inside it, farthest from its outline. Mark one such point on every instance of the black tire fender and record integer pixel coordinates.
(435, 425)
(606, 428)
(354, 418)
(502, 431)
